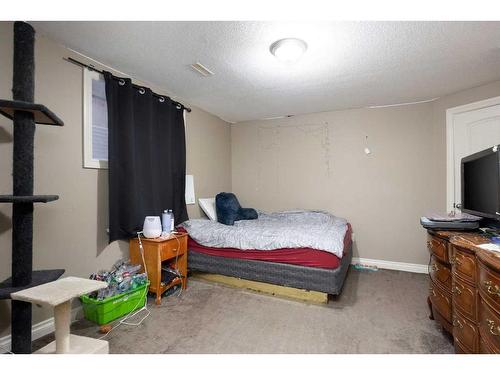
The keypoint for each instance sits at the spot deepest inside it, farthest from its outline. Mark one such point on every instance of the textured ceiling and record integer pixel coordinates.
(347, 64)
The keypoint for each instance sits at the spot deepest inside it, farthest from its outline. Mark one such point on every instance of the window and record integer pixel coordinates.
(95, 121)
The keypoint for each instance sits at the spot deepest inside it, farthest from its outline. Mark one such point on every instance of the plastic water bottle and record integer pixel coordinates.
(166, 221)
(171, 220)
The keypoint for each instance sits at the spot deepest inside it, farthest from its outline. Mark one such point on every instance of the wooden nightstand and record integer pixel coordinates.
(158, 253)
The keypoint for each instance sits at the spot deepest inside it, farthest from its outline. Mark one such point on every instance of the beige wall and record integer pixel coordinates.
(208, 156)
(71, 232)
(317, 161)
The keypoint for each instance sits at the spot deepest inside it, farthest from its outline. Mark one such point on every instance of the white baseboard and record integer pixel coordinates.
(38, 330)
(388, 265)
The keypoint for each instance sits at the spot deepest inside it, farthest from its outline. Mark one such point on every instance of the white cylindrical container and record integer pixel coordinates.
(171, 221)
(152, 227)
(165, 221)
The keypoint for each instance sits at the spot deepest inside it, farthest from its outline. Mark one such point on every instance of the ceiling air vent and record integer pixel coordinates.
(203, 70)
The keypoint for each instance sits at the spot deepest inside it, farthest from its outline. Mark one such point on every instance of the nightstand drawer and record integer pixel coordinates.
(438, 247)
(170, 249)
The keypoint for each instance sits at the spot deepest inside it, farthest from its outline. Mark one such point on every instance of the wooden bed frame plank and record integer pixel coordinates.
(310, 296)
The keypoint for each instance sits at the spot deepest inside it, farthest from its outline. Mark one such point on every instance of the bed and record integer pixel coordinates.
(308, 250)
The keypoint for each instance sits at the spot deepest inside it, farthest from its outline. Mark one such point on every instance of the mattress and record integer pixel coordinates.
(309, 278)
(313, 229)
(306, 257)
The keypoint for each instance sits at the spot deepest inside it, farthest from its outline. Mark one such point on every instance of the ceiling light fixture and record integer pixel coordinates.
(288, 50)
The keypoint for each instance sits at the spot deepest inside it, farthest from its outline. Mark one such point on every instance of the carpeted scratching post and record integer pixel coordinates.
(24, 114)
(22, 174)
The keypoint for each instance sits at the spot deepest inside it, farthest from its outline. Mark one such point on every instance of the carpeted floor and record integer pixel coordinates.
(378, 312)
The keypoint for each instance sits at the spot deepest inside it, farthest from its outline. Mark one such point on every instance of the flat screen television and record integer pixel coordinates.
(481, 183)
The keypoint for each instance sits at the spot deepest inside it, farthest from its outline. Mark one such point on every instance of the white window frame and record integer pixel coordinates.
(88, 160)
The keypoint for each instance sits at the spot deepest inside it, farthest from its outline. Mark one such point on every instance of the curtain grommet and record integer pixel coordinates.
(178, 106)
(121, 82)
(142, 91)
(162, 99)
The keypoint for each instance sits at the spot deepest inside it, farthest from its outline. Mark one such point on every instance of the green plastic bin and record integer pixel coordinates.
(111, 308)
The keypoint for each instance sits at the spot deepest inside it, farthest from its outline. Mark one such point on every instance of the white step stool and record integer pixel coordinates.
(59, 294)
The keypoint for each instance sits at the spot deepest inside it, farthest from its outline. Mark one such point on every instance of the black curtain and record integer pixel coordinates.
(147, 157)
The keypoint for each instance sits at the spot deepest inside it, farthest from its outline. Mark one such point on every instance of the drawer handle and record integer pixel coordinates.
(431, 244)
(491, 324)
(456, 323)
(494, 290)
(457, 290)
(454, 260)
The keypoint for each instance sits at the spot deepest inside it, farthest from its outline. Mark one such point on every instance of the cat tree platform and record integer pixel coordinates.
(59, 294)
(41, 114)
(37, 278)
(28, 198)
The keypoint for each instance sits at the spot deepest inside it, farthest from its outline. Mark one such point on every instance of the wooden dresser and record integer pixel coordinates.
(464, 292)
(489, 301)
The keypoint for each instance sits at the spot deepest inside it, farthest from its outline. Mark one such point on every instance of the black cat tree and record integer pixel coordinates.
(24, 114)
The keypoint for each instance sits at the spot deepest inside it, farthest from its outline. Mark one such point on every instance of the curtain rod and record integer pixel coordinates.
(91, 67)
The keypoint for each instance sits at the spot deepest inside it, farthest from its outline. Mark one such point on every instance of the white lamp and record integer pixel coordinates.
(152, 227)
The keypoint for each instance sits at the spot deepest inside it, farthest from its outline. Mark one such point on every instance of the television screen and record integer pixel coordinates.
(481, 184)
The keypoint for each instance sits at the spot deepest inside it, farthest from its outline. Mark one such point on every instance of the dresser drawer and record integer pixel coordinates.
(485, 347)
(459, 349)
(440, 273)
(438, 247)
(465, 332)
(489, 325)
(464, 298)
(489, 285)
(463, 264)
(441, 301)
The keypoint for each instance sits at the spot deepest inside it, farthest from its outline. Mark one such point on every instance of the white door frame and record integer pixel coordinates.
(450, 162)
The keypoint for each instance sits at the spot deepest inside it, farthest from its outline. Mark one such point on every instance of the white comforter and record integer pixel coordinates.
(288, 229)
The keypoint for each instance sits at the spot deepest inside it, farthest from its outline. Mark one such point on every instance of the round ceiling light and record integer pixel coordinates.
(288, 50)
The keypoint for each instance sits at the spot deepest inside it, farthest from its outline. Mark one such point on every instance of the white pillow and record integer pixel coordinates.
(208, 207)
